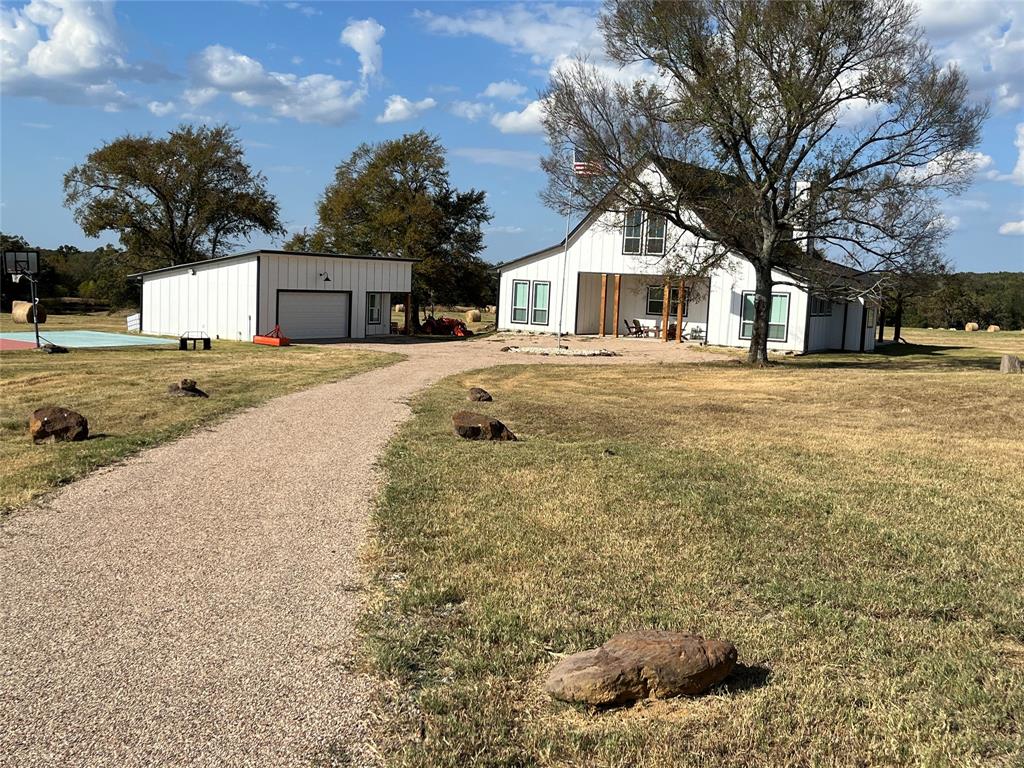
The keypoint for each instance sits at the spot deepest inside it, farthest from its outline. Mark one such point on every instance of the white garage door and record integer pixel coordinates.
(313, 314)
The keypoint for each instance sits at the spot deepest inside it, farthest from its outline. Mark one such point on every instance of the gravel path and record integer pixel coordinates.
(195, 604)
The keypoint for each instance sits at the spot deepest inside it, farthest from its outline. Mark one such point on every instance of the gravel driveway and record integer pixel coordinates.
(195, 605)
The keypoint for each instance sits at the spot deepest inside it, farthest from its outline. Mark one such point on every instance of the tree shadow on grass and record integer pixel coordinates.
(907, 357)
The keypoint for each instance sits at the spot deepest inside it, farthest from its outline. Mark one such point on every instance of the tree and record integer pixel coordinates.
(395, 198)
(184, 198)
(787, 131)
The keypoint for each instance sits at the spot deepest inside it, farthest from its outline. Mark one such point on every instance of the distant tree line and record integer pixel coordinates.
(986, 298)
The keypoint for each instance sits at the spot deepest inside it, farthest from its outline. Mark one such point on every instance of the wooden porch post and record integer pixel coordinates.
(615, 312)
(679, 311)
(664, 310)
(408, 313)
(604, 300)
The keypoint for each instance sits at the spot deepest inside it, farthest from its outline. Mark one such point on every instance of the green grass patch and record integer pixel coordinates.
(123, 394)
(855, 524)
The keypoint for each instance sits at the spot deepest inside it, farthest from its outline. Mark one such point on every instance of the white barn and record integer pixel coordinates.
(310, 295)
(611, 278)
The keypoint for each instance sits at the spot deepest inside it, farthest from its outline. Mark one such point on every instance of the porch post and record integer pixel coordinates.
(604, 300)
(666, 293)
(679, 311)
(615, 312)
(408, 311)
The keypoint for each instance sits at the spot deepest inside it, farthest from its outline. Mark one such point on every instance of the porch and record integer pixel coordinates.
(642, 306)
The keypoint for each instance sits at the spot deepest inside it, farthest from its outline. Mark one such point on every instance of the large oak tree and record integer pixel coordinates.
(788, 130)
(172, 200)
(395, 198)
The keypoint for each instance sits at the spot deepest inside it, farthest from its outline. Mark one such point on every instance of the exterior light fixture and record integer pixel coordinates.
(324, 276)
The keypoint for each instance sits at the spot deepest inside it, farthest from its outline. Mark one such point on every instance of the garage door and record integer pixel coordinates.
(313, 314)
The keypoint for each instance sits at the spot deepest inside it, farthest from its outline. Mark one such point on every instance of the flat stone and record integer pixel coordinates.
(54, 423)
(631, 666)
(479, 395)
(477, 426)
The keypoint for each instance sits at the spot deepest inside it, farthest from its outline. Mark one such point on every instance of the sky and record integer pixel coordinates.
(304, 83)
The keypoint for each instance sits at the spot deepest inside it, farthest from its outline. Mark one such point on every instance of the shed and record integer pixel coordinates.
(312, 296)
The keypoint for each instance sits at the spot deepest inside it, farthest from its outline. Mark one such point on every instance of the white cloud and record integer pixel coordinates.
(38, 126)
(986, 40)
(511, 158)
(529, 120)
(161, 108)
(311, 99)
(470, 110)
(305, 10)
(1012, 228)
(400, 108)
(505, 89)
(67, 52)
(363, 37)
(296, 60)
(199, 96)
(504, 229)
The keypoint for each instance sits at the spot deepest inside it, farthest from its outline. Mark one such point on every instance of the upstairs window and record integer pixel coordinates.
(632, 231)
(655, 235)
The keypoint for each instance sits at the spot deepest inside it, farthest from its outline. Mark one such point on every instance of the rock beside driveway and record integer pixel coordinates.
(477, 426)
(1010, 364)
(186, 388)
(53, 423)
(638, 665)
(479, 395)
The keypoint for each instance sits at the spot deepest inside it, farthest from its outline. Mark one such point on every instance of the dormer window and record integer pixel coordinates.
(643, 233)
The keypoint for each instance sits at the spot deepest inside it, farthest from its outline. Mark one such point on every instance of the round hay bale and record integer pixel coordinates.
(473, 316)
(971, 327)
(993, 329)
(21, 312)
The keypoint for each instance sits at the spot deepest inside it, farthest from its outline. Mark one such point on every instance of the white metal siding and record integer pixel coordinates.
(218, 299)
(313, 314)
(358, 276)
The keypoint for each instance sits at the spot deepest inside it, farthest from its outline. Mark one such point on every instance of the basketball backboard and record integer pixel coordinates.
(21, 262)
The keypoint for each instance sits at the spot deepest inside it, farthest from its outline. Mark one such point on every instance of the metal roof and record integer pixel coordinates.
(318, 254)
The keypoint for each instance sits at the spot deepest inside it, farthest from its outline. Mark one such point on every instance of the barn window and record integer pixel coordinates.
(820, 306)
(656, 301)
(541, 293)
(778, 316)
(520, 301)
(655, 235)
(871, 317)
(374, 302)
(632, 231)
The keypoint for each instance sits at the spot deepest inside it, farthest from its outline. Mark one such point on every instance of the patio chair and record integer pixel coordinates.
(630, 330)
(639, 330)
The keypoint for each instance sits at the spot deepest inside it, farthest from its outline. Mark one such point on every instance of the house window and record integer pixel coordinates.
(778, 317)
(656, 301)
(820, 306)
(541, 291)
(655, 235)
(871, 317)
(632, 231)
(520, 301)
(374, 302)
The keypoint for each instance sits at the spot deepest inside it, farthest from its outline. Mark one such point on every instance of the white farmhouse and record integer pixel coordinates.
(309, 295)
(611, 280)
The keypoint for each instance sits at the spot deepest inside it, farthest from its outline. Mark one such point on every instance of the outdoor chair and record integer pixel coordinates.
(630, 330)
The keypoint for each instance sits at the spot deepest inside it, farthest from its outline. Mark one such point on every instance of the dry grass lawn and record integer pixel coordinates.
(122, 392)
(855, 523)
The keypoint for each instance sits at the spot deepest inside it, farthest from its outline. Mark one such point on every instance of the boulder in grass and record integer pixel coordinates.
(54, 349)
(477, 426)
(1010, 364)
(53, 423)
(186, 388)
(479, 395)
(653, 664)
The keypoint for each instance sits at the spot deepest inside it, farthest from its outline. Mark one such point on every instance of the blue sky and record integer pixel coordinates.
(305, 83)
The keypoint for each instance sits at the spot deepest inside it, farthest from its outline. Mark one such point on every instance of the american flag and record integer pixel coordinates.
(584, 167)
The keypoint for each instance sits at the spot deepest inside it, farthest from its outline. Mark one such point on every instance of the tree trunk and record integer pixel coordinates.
(414, 315)
(897, 321)
(758, 352)
(881, 324)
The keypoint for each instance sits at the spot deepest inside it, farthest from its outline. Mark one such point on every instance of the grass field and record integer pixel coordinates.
(122, 392)
(855, 523)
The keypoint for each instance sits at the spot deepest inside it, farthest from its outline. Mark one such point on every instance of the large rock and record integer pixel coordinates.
(479, 395)
(638, 665)
(1010, 364)
(186, 388)
(477, 426)
(53, 423)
